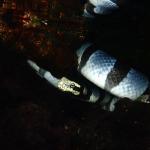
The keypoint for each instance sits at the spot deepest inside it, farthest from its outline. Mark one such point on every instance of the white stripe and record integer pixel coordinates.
(81, 50)
(51, 79)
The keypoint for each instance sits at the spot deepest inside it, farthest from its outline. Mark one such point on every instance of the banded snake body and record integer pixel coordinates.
(111, 80)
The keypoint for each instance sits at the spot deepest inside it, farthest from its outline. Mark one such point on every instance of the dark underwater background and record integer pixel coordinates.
(35, 116)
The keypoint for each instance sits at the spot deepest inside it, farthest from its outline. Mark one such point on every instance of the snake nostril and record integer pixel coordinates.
(76, 88)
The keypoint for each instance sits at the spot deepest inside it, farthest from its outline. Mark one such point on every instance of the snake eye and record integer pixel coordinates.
(72, 85)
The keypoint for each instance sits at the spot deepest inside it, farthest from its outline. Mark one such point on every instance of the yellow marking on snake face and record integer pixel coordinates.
(67, 85)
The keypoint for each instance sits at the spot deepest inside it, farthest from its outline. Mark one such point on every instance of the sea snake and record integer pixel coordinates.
(109, 79)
